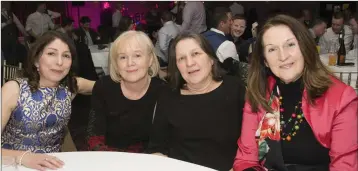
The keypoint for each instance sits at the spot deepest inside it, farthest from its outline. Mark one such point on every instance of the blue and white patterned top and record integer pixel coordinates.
(39, 119)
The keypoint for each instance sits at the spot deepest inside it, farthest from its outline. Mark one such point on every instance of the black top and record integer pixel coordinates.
(10, 31)
(242, 47)
(303, 150)
(124, 123)
(201, 129)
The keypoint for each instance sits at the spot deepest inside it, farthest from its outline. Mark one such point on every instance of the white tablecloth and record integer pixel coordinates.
(344, 69)
(118, 161)
(100, 57)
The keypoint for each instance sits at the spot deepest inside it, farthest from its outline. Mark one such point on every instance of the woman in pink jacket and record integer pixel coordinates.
(298, 116)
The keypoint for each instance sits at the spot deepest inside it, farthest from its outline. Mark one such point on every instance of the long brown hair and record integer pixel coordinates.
(315, 76)
(30, 71)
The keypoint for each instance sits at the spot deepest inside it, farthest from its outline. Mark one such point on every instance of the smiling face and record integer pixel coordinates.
(54, 63)
(238, 27)
(282, 53)
(133, 60)
(193, 63)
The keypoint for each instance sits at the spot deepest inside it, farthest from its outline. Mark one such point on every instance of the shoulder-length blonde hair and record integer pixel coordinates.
(316, 77)
(121, 42)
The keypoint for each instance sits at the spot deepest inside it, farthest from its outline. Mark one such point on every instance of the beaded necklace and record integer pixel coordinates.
(296, 117)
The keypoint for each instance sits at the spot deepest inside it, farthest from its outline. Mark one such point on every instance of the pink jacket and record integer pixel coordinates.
(333, 120)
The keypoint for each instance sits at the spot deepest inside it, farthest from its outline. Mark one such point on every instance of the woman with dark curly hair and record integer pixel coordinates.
(36, 107)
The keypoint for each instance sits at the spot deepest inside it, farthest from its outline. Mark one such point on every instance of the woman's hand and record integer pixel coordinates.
(41, 162)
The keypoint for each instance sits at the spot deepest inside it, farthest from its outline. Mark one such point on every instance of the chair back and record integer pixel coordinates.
(350, 78)
(68, 144)
(10, 71)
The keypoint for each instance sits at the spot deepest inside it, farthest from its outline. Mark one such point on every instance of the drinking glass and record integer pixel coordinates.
(332, 53)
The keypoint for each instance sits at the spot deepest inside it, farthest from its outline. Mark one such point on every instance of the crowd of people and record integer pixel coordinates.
(227, 103)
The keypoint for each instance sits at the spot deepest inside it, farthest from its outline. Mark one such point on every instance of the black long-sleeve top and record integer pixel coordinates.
(201, 129)
(118, 123)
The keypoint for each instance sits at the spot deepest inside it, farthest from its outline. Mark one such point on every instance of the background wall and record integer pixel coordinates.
(93, 9)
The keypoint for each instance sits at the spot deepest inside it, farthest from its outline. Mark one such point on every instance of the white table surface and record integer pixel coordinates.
(344, 69)
(100, 57)
(119, 161)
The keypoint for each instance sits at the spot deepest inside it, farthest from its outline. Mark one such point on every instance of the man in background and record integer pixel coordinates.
(167, 33)
(117, 15)
(40, 21)
(222, 21)
(332, 34)
(85, 33)
(353, 23)
(194, 17)
(67, 27)
(318, 28)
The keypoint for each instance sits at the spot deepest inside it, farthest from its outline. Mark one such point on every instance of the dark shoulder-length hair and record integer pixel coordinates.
(175, 78)
(30, 70)
(316, 77)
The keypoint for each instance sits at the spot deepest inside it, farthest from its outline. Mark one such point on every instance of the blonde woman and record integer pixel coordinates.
(124, 101)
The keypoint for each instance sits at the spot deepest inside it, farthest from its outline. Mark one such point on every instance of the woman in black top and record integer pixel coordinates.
(199, 121)
(124, 102)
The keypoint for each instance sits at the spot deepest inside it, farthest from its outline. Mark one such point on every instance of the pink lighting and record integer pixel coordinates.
(106, 5)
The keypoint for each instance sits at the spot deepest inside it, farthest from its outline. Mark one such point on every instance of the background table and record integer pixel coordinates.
(119, 161)
(100, 58)
(344, 69)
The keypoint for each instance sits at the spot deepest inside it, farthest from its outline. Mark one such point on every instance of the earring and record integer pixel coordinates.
(150, 71)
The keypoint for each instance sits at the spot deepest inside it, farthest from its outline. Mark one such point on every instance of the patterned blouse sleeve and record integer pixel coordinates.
(97, 120)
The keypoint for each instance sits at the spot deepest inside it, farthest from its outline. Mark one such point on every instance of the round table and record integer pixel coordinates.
(345, 70)
(120, 161)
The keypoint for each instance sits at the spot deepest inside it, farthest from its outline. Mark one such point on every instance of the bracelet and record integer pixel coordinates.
(23, 154)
